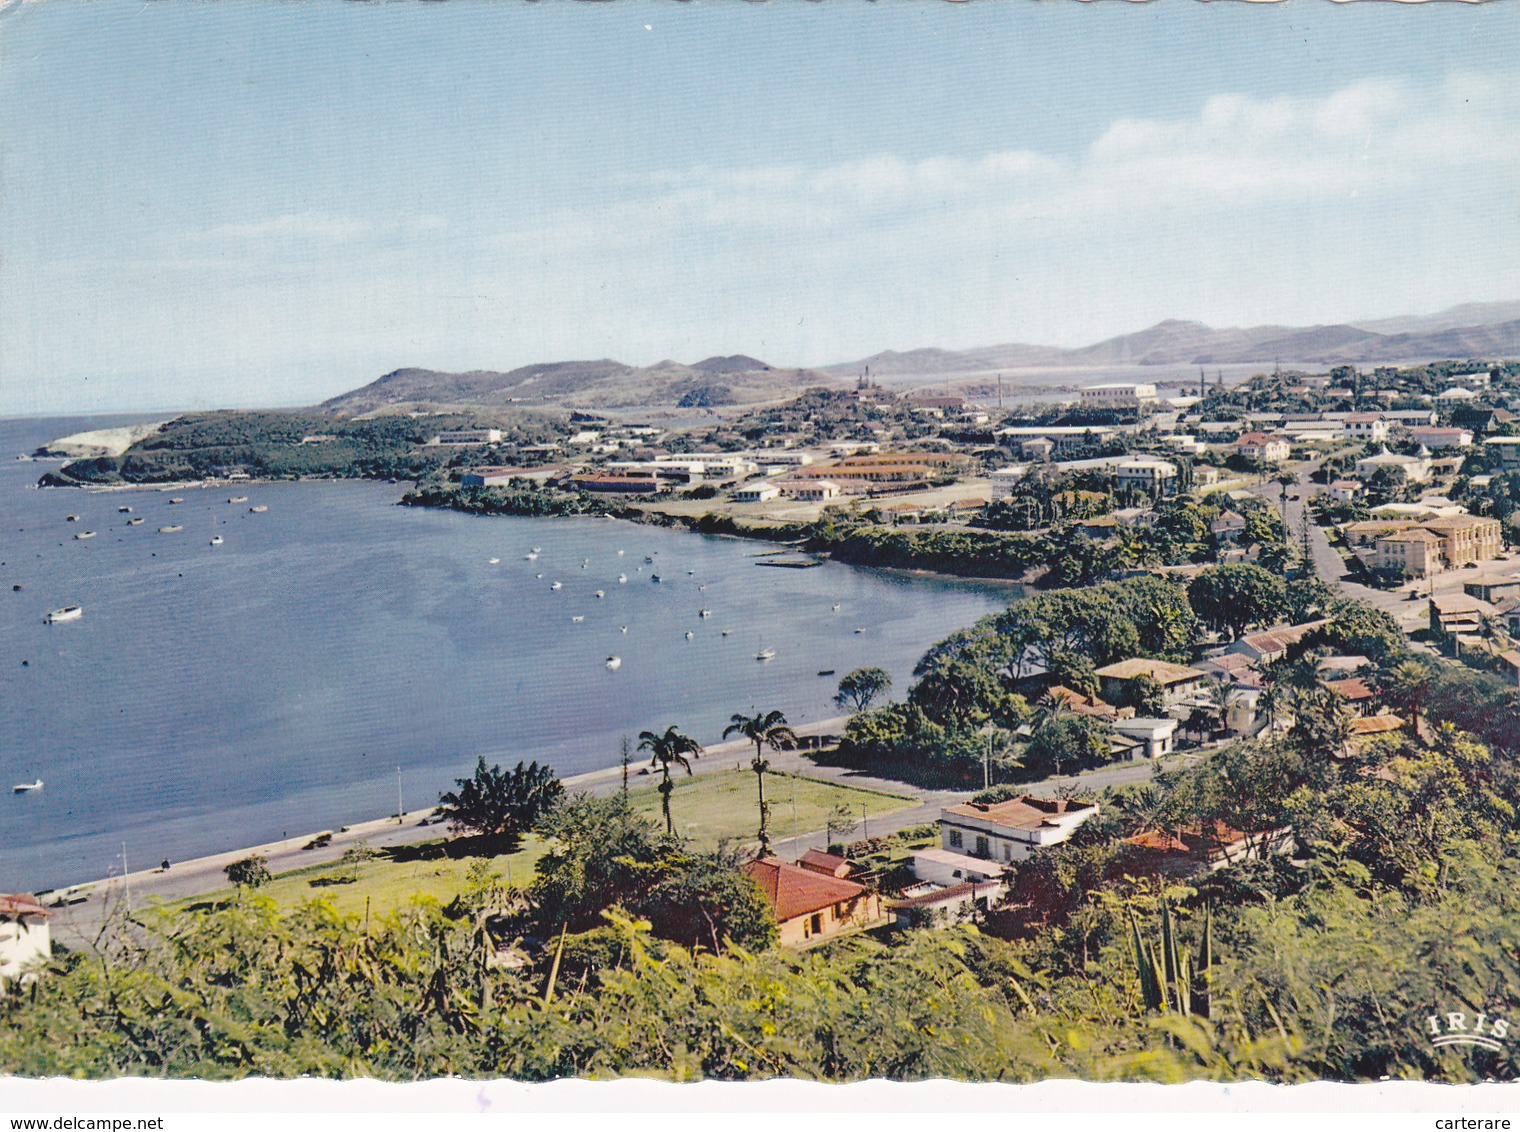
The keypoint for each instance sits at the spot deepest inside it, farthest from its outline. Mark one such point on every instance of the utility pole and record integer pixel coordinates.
(1000, 392)
(865, 830)
(126, 885)
(400, 811)
(987, 764)
(625, 767)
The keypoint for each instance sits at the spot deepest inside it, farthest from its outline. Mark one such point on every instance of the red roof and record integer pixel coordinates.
(1354, 688)
(794, 891)
(21, 906)
(817, 861)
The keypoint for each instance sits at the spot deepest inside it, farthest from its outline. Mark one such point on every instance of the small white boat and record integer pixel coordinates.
(71, 518)
(176, 501)
(237, 499)
(620, 554)
(614, 663)
(578, 618)
(622, 579)
(531, 557)
(492, 561)
(26, 787)
(704, 613)
(169, 530)
(555, 585)
(689, 634)
(599, 593)
(622, 628)
(85, 535)
(765, 654)
(536, 549)
(538, 575)
(726, 632)
(258, 508)
(124, 510)
(836, 607)
(860, 630)
(67, 613)
(585, 562)
(689, 573)
(216, 540)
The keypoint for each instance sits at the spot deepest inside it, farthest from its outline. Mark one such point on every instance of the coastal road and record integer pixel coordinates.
(77, 924)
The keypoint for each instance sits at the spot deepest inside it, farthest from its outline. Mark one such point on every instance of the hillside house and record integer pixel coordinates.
(1153, 477)
(809, 906)
(1368, 427)
(1011, 830)
(1264, 648)
(1195, 849)
(1416, 469)
(1178, 684)
(1262, 446)
(1229, 528)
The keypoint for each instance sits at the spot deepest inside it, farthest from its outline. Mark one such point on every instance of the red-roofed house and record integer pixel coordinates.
(1260, 446)
(25, 938)
(810, 906)
(1263, 648)
(1195, 850)
(1356, 692)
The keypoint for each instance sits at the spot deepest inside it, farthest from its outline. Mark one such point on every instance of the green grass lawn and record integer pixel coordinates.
(389, 882)
(721, 806)
(707, 808)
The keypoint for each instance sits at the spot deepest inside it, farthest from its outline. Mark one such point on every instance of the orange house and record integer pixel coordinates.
(809, 906)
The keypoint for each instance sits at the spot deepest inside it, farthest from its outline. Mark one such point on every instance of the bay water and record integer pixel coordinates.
(218, 696)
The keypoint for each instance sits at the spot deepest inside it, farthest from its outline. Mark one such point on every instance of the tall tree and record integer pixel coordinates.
(500, 805)
(859, 689)
(671, 747)
(763, 729)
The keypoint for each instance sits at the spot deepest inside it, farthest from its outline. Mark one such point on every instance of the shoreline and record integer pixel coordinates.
(414, 826)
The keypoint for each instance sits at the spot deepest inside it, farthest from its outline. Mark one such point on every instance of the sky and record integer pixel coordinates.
(237, 204)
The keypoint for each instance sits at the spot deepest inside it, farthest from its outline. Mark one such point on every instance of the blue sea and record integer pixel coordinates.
(213, 697)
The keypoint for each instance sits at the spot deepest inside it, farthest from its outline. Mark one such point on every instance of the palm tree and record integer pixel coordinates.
(767, 729)
(671, 747)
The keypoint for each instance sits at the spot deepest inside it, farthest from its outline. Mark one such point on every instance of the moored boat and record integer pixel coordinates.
(237, 499)
(67, 613)
(216, 540)
(26, 787)
(85, 535)
(135, 522)
(169, 530)
(258, 508)
(614, 663)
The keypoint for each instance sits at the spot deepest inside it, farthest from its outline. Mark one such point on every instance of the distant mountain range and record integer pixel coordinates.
(1474, 330)
(600, 384)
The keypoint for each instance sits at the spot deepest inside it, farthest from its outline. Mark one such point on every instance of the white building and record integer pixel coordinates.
(1117, 395)
(1368, 427)
(1261, 446)
(813, 491)
(1005, 477)
(467, 436)
(1156, 735)
(1155, 477)
(25, 938)
(1416, 468)
(756, 493)
(1011, 830)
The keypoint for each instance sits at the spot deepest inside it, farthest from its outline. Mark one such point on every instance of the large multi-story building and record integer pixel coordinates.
(1420, 550)
(1011, 830)
(1261, 446)
(1117, 395)
(1155, 477)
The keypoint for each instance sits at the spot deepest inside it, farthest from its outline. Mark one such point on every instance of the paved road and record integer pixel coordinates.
(77, 924)
(1329, 564)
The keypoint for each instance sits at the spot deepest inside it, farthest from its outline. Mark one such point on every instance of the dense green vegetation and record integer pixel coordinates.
(515, 499)
(287, 445)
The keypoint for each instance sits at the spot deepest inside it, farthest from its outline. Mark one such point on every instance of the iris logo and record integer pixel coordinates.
(1459, 1029)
